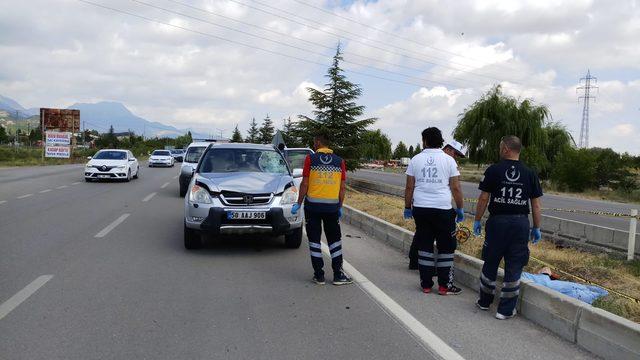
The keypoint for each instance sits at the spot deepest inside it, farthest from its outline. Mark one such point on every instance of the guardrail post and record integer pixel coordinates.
(632, 234)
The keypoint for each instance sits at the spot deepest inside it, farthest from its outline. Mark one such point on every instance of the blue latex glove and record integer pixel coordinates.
(477, 228)
(295, 208)
(460, 215)
(536, 235)
(408, 214)
(340, 213)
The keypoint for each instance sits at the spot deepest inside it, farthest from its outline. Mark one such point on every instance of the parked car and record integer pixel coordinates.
(189, 163)
(241, 189)
(178, 154)
(112, 164)
(161, 158)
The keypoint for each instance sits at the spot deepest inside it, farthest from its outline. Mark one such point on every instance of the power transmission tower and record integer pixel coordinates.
(586, 96)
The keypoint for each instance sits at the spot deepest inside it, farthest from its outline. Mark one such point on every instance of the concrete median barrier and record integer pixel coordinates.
(602, 333)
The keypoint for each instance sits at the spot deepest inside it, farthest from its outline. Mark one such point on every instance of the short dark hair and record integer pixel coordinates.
(322, 137)
(432, 138)
(512, 143)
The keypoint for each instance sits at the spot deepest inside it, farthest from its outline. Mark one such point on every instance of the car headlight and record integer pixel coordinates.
(120, 167)
(199, 195)
(289, 196)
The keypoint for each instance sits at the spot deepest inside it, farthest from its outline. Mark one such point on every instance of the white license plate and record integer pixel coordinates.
(247, 215)
(104, 176)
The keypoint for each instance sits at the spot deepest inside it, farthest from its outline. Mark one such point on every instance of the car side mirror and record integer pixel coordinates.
(88, 157)
(297, 173)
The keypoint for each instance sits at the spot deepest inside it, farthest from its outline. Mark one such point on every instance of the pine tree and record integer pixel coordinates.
(266, 131)
(236, 137)
(336, 114)
(417, 150)
(411, 151)
(3, 135)
(288, 133)
(400, 151)
(253, 133)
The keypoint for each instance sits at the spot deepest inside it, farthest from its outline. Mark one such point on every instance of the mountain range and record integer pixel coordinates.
(101, 115)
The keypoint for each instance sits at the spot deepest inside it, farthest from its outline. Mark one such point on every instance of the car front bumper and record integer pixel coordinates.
(159, 162)
(213, 220)
(93, 173)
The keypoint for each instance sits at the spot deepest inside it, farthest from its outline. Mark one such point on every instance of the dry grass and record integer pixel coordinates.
(598, 268)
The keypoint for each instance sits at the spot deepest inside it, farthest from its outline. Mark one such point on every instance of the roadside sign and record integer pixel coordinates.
(58, 138)
(63, 152)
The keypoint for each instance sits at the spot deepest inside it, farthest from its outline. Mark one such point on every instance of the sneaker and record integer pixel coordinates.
(319, 280)
(342, 279)
(426, 290)
(451, 290)
(483, 308)
(505, 317)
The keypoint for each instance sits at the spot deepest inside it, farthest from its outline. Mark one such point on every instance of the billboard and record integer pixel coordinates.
(58, 138)
(64, 120)
(63, 152)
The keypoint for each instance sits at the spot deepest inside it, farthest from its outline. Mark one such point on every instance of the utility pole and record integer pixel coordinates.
(586, 96)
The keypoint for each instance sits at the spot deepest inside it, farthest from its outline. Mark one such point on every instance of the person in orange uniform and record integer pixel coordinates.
(322, 191)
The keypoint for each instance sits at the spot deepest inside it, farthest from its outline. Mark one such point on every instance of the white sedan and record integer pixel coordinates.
(161, 158)
(112, 164)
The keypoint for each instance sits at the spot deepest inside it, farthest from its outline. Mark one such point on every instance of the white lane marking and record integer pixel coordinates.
(2, 201)
(23, 295)
(112, 226)
(44, 191)
(62, 187)
(165, 185)
(24, 196)
(148, 197)
(430, 341)
(175, 177)
(76, 183)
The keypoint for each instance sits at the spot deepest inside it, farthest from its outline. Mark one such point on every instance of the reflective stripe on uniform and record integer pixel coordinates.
(445, 263)
(336, 254)
(426, 254)
(426, 262)
(487, 290)
(509, 294)
(335, 245)
(315, 245)
(316, 254)
(487, 281)
(512, 284)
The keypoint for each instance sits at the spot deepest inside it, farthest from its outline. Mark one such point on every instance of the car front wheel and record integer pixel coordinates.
(192, 239)
(128, 176)
(183, 190)
(293, 239)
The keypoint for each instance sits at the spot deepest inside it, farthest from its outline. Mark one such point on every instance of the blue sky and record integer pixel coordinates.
(535, 49)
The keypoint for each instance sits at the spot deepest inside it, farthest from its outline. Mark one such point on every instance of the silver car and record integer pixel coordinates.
(241, 189)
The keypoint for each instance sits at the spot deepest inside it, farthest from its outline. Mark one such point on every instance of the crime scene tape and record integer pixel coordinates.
(579, 211)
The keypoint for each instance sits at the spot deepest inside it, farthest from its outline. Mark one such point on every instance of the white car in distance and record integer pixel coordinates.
(161, 158)
(112, 164)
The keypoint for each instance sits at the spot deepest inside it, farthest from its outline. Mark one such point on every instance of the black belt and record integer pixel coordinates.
(509, 215)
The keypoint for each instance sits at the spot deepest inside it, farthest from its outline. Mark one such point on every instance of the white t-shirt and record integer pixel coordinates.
(432, 169)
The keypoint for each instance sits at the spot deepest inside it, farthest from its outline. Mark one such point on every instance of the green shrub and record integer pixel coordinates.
(575, 169)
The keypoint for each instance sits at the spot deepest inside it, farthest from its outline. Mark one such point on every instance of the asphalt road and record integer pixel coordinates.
(98, 271)
(470, 190)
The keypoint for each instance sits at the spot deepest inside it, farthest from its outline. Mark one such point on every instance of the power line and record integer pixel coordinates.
(355, 40)
(384, 31)
(347, 53)
(288, 45)
(244, 44)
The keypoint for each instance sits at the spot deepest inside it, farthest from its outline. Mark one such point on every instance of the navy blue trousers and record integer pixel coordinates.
(507, 237)
(435, 225)
(314, 222)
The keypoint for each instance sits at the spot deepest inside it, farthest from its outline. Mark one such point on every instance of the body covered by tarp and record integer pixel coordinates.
(586, 293)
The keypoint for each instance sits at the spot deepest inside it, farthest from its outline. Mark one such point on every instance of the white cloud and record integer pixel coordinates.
(453, 51)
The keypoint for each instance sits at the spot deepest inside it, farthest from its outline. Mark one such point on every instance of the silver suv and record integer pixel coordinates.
(241, 189)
